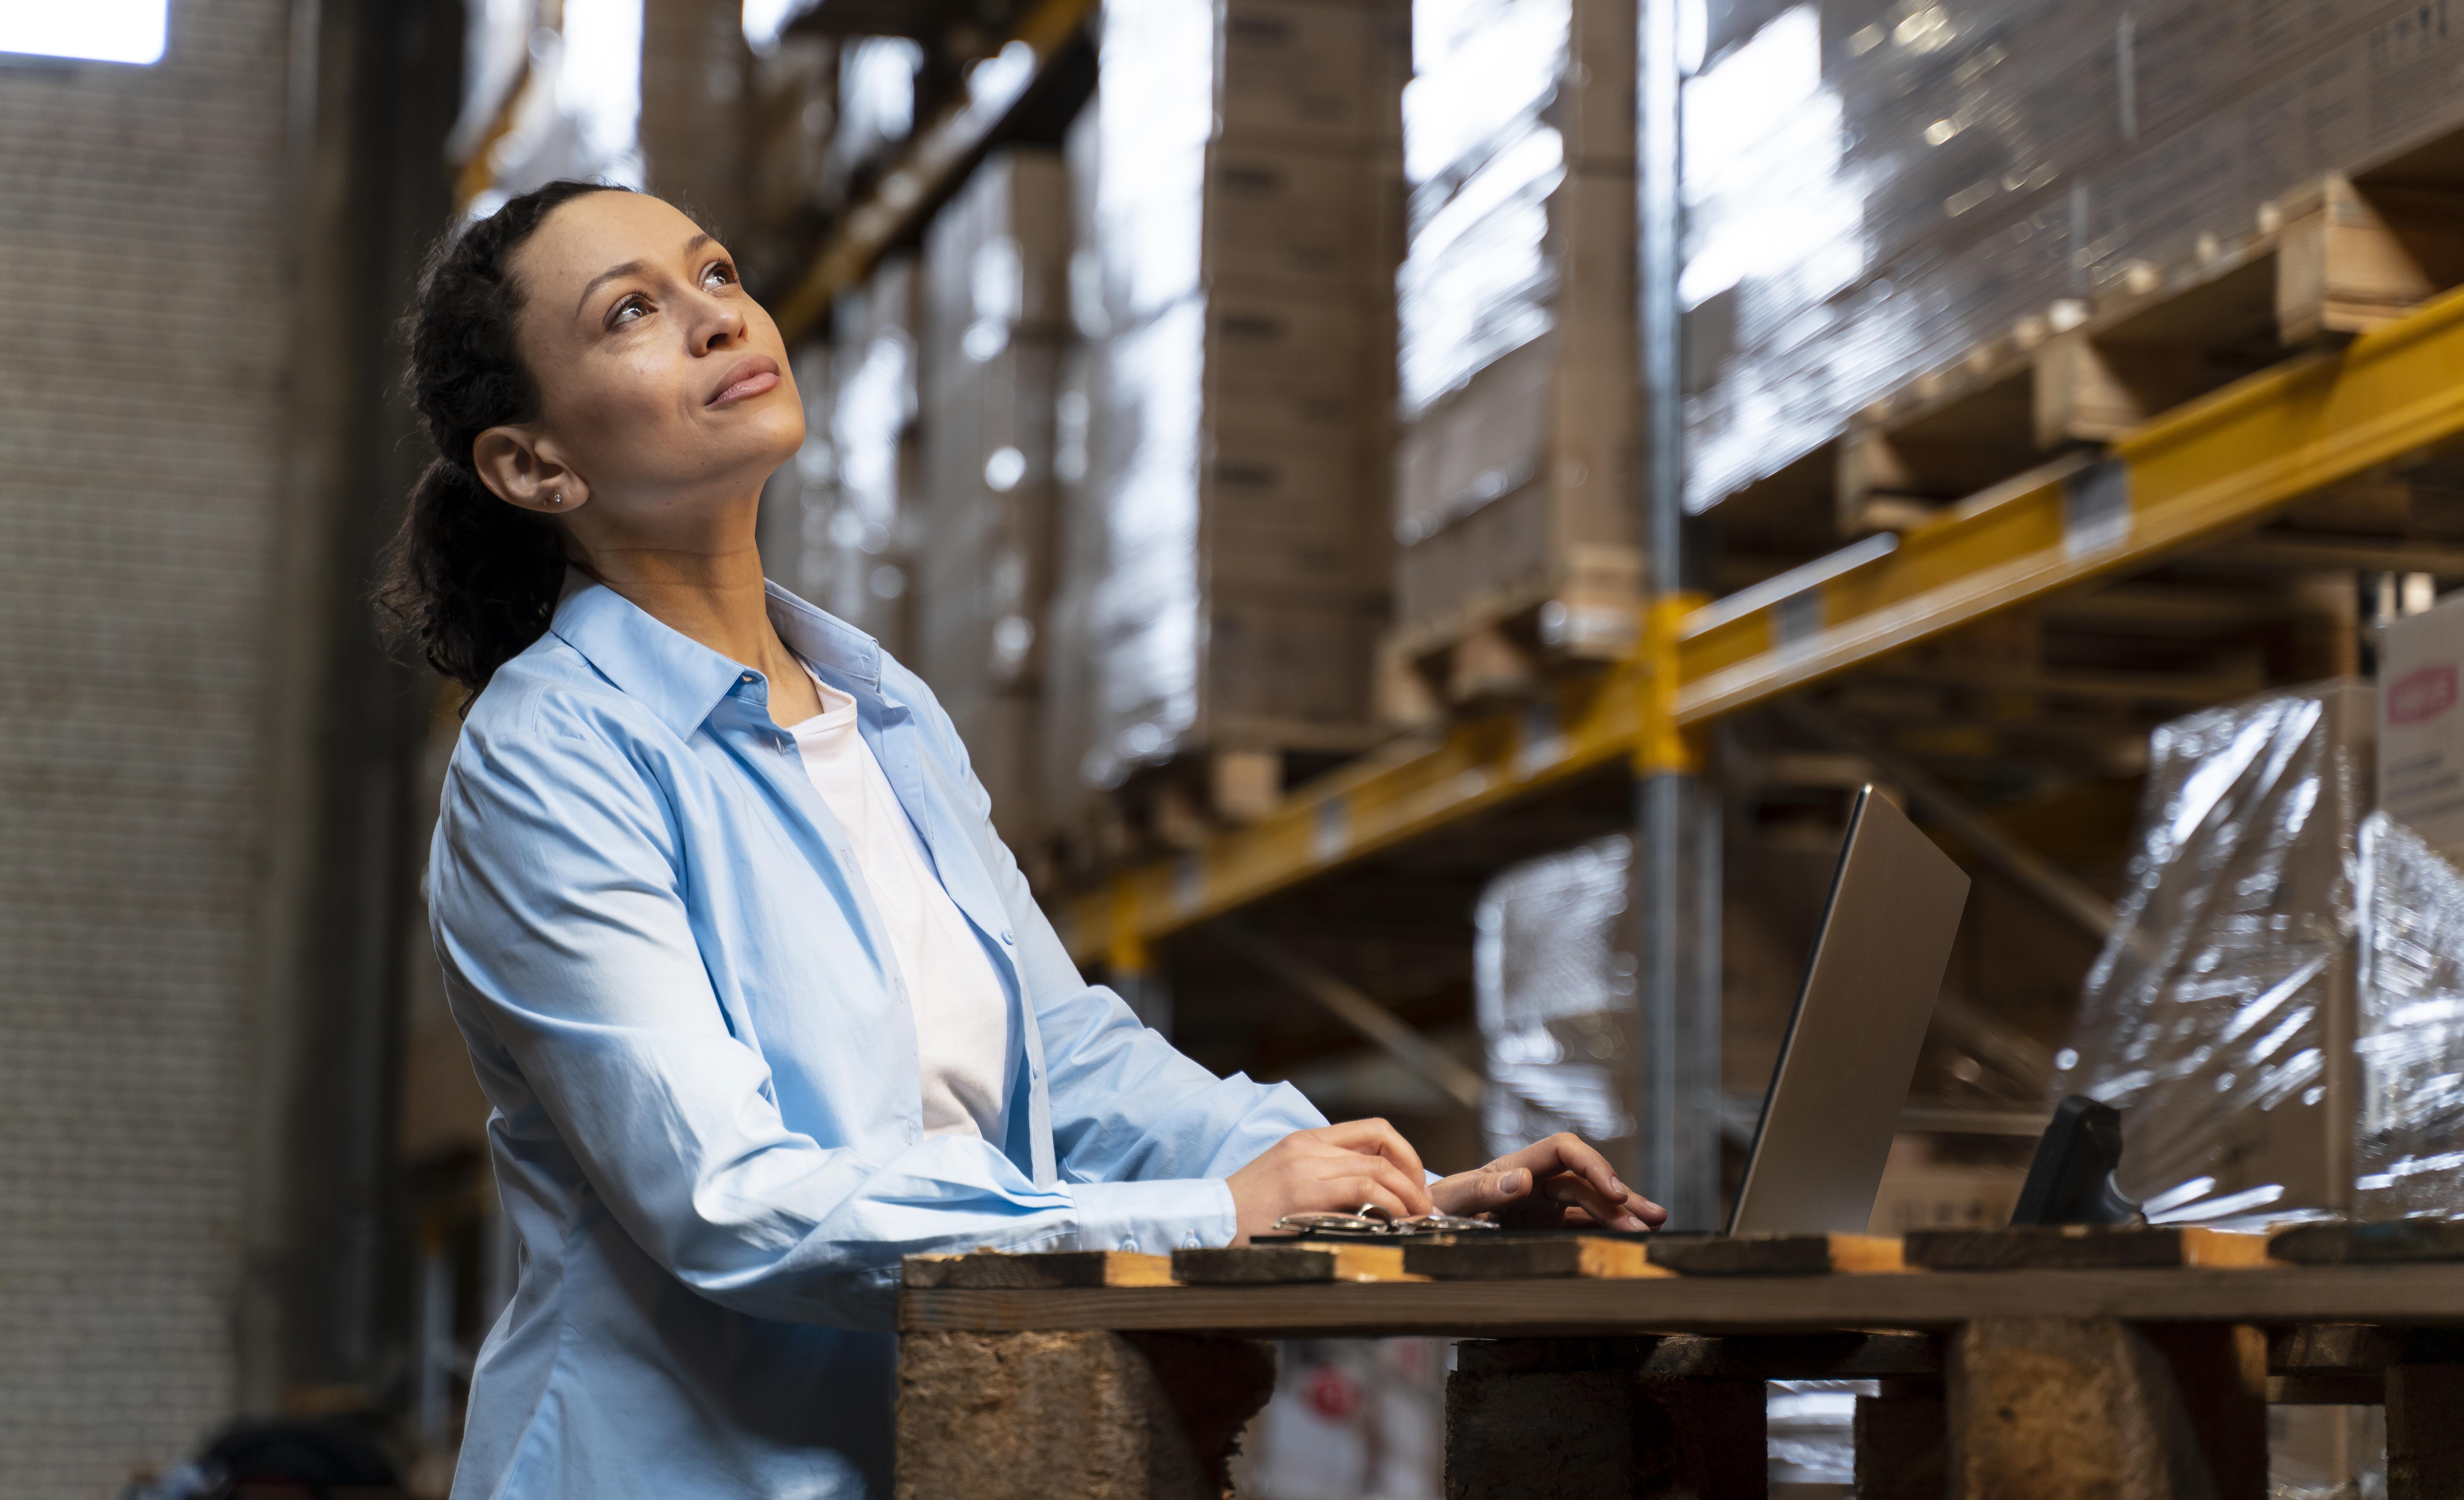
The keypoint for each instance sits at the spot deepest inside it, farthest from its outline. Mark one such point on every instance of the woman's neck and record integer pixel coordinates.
(717, 600)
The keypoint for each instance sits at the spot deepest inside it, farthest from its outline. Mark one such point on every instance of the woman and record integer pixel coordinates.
(762, 1003)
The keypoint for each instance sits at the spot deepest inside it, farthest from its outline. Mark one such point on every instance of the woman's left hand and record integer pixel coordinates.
(1560, 1183)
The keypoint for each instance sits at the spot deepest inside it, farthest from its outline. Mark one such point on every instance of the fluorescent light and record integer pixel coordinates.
(104, 30)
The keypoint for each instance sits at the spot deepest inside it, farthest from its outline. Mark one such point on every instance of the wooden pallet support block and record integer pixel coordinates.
(2391, 1242)
(1093, 1415)
(2091, 389)
(1579, 1419)
(1902, 1442)
(1245, 785)
(2045, 1408)
(2352, 259)
(1487, 665)
(2425, 1431)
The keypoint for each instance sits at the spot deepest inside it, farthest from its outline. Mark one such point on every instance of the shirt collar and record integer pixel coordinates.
(678, 678)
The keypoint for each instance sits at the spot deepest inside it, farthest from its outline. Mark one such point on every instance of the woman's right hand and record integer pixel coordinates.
(1334, 1170)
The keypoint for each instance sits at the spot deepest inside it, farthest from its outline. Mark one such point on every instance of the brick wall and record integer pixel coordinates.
(141, 399)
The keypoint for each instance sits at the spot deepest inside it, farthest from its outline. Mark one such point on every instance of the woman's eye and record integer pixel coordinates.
(719, 274)
(628, 311)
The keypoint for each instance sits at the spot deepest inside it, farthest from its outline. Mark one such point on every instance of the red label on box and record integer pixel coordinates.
(2422, 696)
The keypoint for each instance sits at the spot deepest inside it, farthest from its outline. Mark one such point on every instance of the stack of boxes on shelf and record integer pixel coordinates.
(839, 525)
(1515, 502)
(1225, 568)
(1889, 202)
(995, 308)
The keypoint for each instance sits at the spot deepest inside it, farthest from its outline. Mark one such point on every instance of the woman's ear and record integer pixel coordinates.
(525, 472)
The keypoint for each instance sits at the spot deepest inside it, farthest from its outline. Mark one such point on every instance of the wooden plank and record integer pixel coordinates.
(1272, 1264)
(1777, 1255)
(2396, 1242)
(991, 1271)
(1733, 1357)
(1502, 1258)
(2081, 1248)
(2428, 1294)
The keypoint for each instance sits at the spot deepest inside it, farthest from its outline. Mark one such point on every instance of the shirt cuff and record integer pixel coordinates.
(1156, 1218)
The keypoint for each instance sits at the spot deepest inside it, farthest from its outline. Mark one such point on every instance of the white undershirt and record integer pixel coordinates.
(961, 1012)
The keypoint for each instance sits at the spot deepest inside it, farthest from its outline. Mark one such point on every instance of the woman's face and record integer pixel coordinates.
(665, 396)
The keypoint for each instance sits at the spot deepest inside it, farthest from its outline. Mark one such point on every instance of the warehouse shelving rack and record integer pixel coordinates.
(2200, 475)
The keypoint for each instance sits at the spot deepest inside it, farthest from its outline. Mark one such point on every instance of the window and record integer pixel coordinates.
(104, 30)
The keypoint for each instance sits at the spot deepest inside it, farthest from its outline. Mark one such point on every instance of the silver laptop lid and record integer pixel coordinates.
(1852, 1046)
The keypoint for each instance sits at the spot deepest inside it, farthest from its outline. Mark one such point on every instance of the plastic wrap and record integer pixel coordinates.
(1515, 359)
(2212, 1014)
(995, 278)
(1877, 187)
(838, 527)
(1552, 993)
(1224, 561)
(1509, 98)
(2409, 1039)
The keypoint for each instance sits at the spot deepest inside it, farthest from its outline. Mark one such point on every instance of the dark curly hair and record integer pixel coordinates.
(469, 581)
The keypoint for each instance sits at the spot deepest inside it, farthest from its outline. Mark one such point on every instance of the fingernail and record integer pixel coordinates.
(1512, 1182)
(1618, 1188)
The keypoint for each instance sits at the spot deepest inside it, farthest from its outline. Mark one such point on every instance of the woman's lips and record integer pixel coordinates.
(747, 380)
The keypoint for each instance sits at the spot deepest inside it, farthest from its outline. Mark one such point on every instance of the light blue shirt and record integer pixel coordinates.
(707, 1129)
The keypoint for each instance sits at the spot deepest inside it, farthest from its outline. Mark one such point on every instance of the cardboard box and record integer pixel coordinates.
(2421, 725)
(1308, 224)
(1312, 74)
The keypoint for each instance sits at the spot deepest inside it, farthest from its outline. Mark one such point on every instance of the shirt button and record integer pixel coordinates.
(1005, 936)
(1130, 1244)
(1191, 1241)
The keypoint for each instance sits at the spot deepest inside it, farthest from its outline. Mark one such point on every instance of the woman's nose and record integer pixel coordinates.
(720, 327)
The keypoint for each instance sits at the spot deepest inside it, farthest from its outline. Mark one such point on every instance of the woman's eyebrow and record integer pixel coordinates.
(629, 268)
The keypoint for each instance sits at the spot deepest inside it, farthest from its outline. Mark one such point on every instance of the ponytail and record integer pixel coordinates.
(469, 581)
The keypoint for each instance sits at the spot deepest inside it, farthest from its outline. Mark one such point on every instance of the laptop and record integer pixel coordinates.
(1860, 1019)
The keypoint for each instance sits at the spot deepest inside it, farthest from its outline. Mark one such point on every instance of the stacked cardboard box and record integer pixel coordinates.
(1516, 471)
(1878, 189)
(996, 294)
(1227, 568)
(839, 526)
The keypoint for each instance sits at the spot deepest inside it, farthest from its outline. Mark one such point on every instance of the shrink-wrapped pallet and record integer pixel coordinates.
(1880, 193)
(1553, 995)
(1516, 463)
(1224, 569)
(995, 328)
(2279, 1014)
(839, 524)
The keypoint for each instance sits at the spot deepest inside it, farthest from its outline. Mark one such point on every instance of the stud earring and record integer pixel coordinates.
(558, 498)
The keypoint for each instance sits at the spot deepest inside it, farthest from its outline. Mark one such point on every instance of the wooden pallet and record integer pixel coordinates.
(1513, 647)
(2336, 259)
(2029, 1363)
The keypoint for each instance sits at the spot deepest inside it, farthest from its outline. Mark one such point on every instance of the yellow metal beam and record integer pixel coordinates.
(910, 190)
(2215, 466)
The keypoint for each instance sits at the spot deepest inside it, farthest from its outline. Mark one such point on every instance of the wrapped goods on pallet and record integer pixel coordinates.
(2421, 725)
(839, 525)
(1553, 995)
(1515, 500)
(2279, 1014)
(994, 329)
(1224, 570)
(1882, 194)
